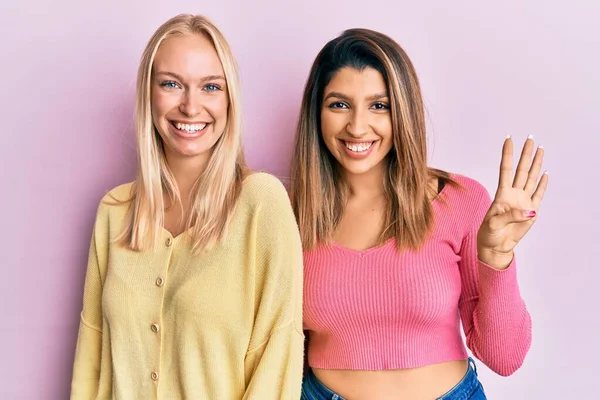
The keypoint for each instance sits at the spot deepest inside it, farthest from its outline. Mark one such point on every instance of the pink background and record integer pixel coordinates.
(68, 76)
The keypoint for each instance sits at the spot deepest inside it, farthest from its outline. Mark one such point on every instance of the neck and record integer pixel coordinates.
(368, 184)
(186, 171)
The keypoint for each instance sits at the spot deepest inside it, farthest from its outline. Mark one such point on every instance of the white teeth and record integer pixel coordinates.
(359, 147)
(190, 128)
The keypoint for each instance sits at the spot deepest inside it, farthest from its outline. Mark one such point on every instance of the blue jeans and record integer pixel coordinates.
(469, 388)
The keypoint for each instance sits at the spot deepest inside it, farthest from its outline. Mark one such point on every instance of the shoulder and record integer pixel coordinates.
(110, 213)
(465, 200)
(261, 188)
(116, 199)
(119, 193)
(265, 197)
(467, 190)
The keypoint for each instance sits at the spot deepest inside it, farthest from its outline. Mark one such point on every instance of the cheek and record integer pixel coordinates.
(218, 107)
(161, 104)
(155, 109)
(384, 129)
(330, 125)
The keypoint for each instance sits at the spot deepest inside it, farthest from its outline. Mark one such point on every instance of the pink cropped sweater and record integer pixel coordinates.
(381, 309)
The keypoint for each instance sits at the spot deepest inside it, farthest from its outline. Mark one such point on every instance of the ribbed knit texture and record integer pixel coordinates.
(381, 309)
(169, 324)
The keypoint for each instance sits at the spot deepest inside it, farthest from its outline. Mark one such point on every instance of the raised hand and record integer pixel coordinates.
(515, 205)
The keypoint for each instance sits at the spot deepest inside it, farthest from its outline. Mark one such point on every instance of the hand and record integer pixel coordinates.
(514, 209)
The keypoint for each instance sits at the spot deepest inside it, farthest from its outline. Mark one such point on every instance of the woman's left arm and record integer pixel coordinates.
(274, 361)
(495, 319)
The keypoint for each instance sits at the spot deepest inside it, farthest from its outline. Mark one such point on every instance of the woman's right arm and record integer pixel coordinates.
(86, 367)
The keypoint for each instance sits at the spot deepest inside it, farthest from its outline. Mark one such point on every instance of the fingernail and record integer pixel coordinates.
(546, 172)
(530, 137)
(529, 214)
(507, 136)
(541, 147)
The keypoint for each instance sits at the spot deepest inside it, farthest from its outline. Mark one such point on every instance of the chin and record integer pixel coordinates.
(188, 151)
(357, 169)
(196, 153)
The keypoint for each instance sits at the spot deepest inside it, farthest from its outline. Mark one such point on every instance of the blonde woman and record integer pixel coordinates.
(194, 284)
(398, 254)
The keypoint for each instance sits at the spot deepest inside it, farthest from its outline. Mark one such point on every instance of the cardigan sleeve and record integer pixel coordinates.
(274, 360)
(86, 367)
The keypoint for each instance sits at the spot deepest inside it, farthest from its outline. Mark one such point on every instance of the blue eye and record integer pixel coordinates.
(211, 87)
(338, 104)
(169, 84)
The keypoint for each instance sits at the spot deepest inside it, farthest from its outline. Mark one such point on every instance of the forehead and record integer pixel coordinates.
(191, 56)
(350, 80)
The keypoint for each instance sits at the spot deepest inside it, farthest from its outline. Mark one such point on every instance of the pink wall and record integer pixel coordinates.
(68, 71)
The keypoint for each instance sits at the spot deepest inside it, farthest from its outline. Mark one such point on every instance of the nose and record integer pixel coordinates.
(358, 125)
(190, 104)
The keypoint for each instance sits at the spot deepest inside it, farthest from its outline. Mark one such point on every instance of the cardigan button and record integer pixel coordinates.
(154, 376)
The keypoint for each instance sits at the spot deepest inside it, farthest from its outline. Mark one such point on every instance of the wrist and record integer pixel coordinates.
(495, 259)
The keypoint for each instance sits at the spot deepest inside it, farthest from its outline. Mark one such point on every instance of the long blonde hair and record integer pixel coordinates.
(215, 193)
(318, 190)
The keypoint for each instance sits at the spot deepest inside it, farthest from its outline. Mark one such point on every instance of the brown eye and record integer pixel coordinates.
(338, 104)
(381, 106)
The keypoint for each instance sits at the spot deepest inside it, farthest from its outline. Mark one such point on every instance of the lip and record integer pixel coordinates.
(186, 134)
(357, 156)
(175, 121)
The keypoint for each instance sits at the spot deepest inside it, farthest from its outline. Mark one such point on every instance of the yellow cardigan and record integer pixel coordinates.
(168, 324)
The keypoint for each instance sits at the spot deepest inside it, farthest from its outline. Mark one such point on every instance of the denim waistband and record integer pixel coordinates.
(314, 389)
(465, 388)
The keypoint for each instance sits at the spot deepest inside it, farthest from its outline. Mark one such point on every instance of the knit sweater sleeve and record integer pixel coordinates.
(274, 360)
(495, 319)
(86, 367)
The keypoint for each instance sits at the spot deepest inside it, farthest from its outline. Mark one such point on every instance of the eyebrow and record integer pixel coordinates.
(342, 96)
(204, 79)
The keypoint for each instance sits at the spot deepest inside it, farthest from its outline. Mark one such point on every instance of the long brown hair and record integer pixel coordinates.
(217, 190)
(318, 191)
